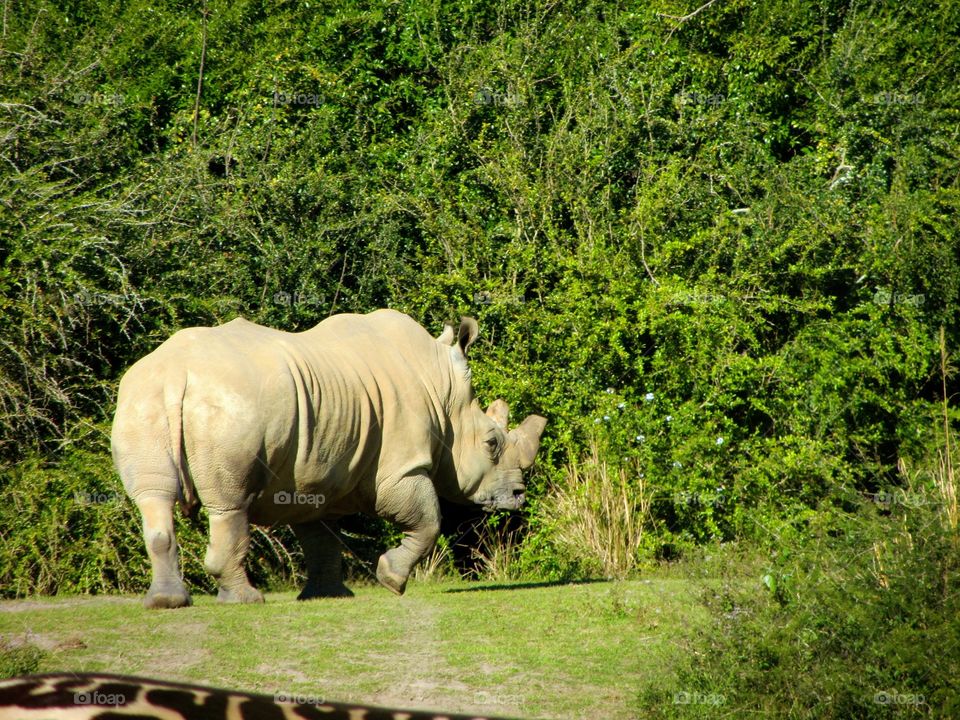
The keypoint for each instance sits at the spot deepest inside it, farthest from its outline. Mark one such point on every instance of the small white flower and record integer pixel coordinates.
(719, 441)
(669, 418)
(596, 421)
(677, 464)
(609, 391)
(606, 418)
(641, 438)
(621, 406)
(648, 397)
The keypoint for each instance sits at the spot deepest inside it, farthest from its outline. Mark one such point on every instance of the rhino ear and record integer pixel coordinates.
(527, 438)
(447, 336)
(499, 412)
(467, 334)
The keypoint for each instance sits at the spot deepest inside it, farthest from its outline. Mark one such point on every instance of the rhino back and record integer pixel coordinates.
(394, 369)
(268, 415)
(329, 412)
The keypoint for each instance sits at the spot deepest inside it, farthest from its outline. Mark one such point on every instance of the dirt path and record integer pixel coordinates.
(15, 606)
(538, 651)
(426, 677)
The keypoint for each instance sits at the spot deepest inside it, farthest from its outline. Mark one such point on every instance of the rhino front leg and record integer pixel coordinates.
(412, 504)
(323, 554)
(229, 541)
(166, 587)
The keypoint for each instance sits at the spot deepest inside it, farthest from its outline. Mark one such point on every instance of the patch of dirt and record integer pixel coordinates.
(427, 682)
(170, 659)
(283, 677)
(45, 642)
(13, 606)
(165, 658)
(419, 675)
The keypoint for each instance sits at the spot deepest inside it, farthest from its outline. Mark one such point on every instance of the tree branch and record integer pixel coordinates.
(203, 57)
(684, 18)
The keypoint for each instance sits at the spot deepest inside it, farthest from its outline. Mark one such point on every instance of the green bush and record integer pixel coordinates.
(67, 526)
(748, 213)
(19, 659)
(842, 623)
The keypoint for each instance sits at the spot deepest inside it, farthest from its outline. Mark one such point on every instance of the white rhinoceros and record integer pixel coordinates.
(363, 413)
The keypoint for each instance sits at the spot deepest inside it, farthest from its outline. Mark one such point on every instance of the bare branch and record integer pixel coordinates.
(684, 18)
(203, 57)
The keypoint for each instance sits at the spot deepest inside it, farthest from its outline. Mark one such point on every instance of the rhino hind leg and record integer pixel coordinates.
(416, 510)
(229, 541)
(323, 555)
(166, 588)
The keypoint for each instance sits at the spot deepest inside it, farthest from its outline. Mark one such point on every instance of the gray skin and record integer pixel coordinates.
(362, 413)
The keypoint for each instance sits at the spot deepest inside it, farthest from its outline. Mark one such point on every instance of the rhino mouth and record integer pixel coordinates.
(507, 499)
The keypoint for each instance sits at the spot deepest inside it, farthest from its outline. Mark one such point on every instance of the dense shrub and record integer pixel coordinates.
(19, 658)
(748, 214)
(843, 623)
(69, 526)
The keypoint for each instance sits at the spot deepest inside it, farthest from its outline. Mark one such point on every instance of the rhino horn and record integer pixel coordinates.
(499, 412)
(447, 336)
(527, 438)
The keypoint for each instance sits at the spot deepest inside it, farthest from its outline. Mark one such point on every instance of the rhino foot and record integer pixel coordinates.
(169, 595)
(328, 591)
(390, 578)
(243, 594)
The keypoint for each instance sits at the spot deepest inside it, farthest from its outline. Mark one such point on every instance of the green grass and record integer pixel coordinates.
(531, 650)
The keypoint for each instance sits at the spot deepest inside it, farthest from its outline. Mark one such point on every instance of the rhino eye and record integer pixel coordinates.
(492, 445)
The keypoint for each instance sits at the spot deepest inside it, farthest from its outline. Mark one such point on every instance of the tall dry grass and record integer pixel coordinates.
(438, 565)
(600, 515)
(497, 552)
(944, 470)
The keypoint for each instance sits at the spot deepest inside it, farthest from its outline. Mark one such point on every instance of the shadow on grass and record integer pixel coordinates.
(527, 585)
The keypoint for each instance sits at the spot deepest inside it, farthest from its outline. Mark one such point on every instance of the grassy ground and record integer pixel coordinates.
(531, 650)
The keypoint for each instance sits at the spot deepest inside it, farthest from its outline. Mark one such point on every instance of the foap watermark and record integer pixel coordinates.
(297, 498)
(696, 698)
(700, 99)
(296, 298)
(86, 497)
(482, 697)
(298, 699)
(896, 698)
(685, 299)
(885, 297)
(485, 297)
(89, 299)
(699, 499)
(98, 98)
(888, 499)
(93, 697)
(696, 299)
(896, 98)
(293, 98)
(486, 96)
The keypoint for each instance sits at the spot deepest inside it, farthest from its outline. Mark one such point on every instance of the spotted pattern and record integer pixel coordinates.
(88, 696)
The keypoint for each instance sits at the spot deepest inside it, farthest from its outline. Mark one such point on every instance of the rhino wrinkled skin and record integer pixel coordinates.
(362, 413)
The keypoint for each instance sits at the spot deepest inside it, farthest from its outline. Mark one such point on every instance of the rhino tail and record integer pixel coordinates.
(173, 399)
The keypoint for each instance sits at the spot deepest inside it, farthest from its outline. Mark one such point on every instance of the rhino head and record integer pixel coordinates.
(487, 458)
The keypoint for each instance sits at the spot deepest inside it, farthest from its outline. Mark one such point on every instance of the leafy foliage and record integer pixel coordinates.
(68, 526)
(748, 213)
(19, 659)
(839, 625)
